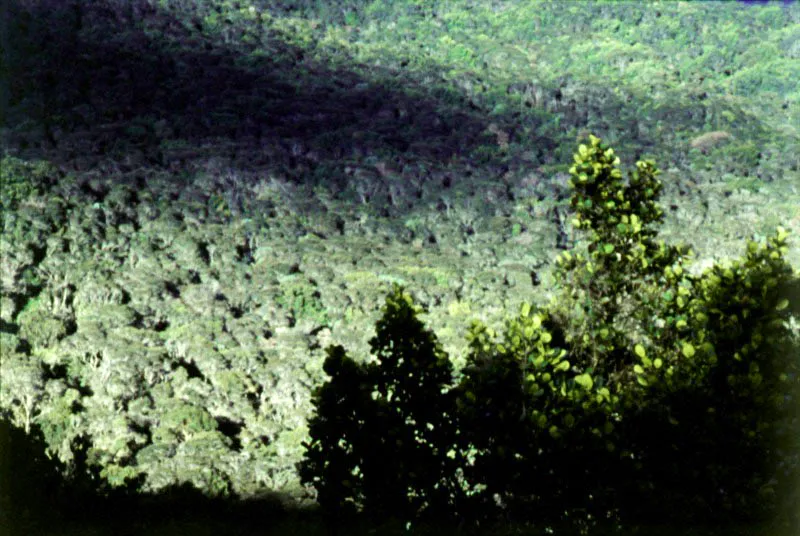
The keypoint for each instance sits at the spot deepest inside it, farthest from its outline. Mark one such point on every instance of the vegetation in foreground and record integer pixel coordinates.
(446, 174)
(569, 418)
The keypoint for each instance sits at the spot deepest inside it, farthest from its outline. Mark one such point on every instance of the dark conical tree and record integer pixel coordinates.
(383, 436)
(412, 375)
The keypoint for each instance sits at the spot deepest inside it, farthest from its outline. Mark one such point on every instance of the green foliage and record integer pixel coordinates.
(623, 256)
(301, 299)
(534, 420)
(382, 436)
(640, 391)
(727, 381)
(20, 179)
(335, 453)
(183, 420)
(410, 377)
(705, 377)
(23, 383)
(61, 423)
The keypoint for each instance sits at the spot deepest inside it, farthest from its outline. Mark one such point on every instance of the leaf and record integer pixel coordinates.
(639, 349)
(782, 305)
(525, 309)
(564, 365)
(528, 332)
(657, 363)
(638, 369)
(541, 421)
(688, 349)
(585, 381)
(641, 381)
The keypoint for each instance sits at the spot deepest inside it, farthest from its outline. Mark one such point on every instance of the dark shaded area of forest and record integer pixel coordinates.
(141, 99)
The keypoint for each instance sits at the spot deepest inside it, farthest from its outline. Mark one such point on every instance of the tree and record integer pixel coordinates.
(382, 436)
(412, 376)
(334, 455)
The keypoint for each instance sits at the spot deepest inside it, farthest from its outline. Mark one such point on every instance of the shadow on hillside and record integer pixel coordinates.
(94, 90)
(129, 93)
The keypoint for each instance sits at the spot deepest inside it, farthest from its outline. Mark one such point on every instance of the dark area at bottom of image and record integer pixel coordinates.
(35, 499)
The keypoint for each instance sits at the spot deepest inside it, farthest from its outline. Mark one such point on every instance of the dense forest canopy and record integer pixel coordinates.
(199, 198)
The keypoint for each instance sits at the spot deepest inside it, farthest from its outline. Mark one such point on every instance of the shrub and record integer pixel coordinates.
(540, 427)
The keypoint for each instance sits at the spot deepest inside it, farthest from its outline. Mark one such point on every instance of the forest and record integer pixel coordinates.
(211, 210)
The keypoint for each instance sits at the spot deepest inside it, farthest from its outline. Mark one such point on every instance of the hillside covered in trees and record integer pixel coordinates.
(198, 198)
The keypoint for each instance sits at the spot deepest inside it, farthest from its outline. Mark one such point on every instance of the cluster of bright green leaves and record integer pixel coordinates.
(710, 339)
(548, 377)
(622, 254)
(532, 416)
(652, 362)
